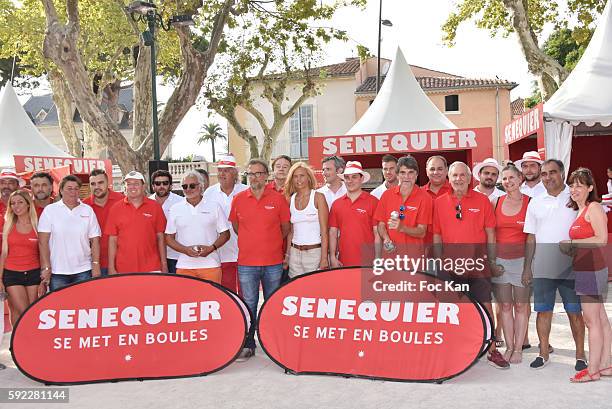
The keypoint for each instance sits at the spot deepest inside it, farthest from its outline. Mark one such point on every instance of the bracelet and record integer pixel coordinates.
(95, 262)
(46, 268)
(215, 247)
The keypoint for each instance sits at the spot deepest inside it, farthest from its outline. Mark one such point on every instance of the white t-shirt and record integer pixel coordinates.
(331, 197)
(201, 225)
(229, 251)
(378, 192)
(70, 231)
(172, 199)
(494, 195)
(549, 219)
(537, 190)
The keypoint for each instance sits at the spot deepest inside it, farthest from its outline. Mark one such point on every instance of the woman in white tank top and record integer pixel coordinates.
(307, 241)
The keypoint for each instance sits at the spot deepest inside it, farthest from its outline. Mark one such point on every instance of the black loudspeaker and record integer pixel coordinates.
(157, 165)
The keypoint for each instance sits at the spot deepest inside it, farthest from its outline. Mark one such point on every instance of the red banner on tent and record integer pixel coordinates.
(320, 324)
(79, 166)
(133, 326)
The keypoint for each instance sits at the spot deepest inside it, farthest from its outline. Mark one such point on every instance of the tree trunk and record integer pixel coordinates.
(142, 117)
(65, 112)
(212, 142)
(549, 72)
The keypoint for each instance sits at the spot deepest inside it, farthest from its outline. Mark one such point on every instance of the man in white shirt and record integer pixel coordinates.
(389, 171)
(531, 165)
(609, 174)
(161, 182)
(487, 174)
(334, 187)
(547, 223)
(223, 193)
(197, 229)
(69, 238)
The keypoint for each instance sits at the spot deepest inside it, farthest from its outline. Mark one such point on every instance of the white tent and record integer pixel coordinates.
(18, 135)
(585, 96)
(401, 105)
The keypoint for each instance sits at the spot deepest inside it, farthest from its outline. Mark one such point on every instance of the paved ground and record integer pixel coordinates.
(259, 383)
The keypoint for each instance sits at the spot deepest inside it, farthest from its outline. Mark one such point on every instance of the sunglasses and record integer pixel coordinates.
(255, 174)
(458, 215)
(190, 186)
(161, 182)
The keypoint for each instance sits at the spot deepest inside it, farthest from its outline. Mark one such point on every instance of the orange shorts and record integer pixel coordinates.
(212, 274)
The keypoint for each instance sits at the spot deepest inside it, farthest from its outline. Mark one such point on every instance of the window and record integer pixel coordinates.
(451, 103)
(301, 127)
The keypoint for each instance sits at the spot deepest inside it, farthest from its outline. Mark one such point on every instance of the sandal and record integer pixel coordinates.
(584, 376)
(519, 353)
(498, 342)
(605, 369)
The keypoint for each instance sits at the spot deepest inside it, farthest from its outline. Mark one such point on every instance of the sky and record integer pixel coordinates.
(417, 30)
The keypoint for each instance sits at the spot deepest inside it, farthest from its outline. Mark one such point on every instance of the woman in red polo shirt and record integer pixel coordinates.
(308, 240)
(19, 261)
(588, 235)
(510, 293)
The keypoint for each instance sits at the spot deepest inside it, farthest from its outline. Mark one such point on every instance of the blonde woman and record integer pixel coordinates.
(307, 242)
(19, 260)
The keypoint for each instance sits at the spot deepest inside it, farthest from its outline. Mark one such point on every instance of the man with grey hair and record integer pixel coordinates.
(197, 229)
(464, 223)
(223, 193)
(334, 187)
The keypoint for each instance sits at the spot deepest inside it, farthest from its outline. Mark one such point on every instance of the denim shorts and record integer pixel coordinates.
(545, 291)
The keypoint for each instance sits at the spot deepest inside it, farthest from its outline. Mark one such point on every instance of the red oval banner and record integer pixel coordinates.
(133, 326)
(320, 323)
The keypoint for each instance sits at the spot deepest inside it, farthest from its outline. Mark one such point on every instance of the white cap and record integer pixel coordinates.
(226, 161)
(353, 167)
(11, 173)
(134, 175)
(485, 163)
(530, 156)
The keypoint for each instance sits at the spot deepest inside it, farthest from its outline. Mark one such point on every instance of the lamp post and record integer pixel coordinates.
(386, 23)
(147, 11)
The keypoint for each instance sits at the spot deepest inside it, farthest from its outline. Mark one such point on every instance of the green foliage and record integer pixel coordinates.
(363, 52)
(493, 16)
(211, 132)
(567, 46)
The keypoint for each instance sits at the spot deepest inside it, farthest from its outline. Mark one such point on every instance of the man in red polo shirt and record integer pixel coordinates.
(464, 222)
(437, 171)
(352, 227)
(135, 229)
(280, 170)
(260, 217)
(101, 201)
(41, 184)
(412, 205)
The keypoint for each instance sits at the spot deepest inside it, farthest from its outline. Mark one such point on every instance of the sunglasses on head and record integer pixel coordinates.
(161, 182)
(458, 215)
(190, 186)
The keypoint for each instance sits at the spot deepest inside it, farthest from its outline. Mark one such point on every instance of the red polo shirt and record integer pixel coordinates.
(102, 216)
(136, 230)
(272, 186)
(418, 209)
(477, 213)
(355, 221)
(446, 188)
(260, 239)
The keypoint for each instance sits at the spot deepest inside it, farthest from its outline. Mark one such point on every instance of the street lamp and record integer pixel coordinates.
(386, 23)
(147, 12)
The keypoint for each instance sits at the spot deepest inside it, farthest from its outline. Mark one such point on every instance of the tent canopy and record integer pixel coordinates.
(18, 134)
(401, 105)
(585, 95)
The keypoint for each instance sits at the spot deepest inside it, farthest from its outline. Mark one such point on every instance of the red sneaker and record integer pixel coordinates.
(496, 360)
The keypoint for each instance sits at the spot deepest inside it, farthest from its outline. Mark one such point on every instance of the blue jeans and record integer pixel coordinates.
(250, 277)
(61, 280)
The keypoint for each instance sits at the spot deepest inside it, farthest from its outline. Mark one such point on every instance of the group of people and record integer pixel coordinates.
(538, 235)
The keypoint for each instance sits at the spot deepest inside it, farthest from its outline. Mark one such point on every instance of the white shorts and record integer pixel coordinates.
(513, 272)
